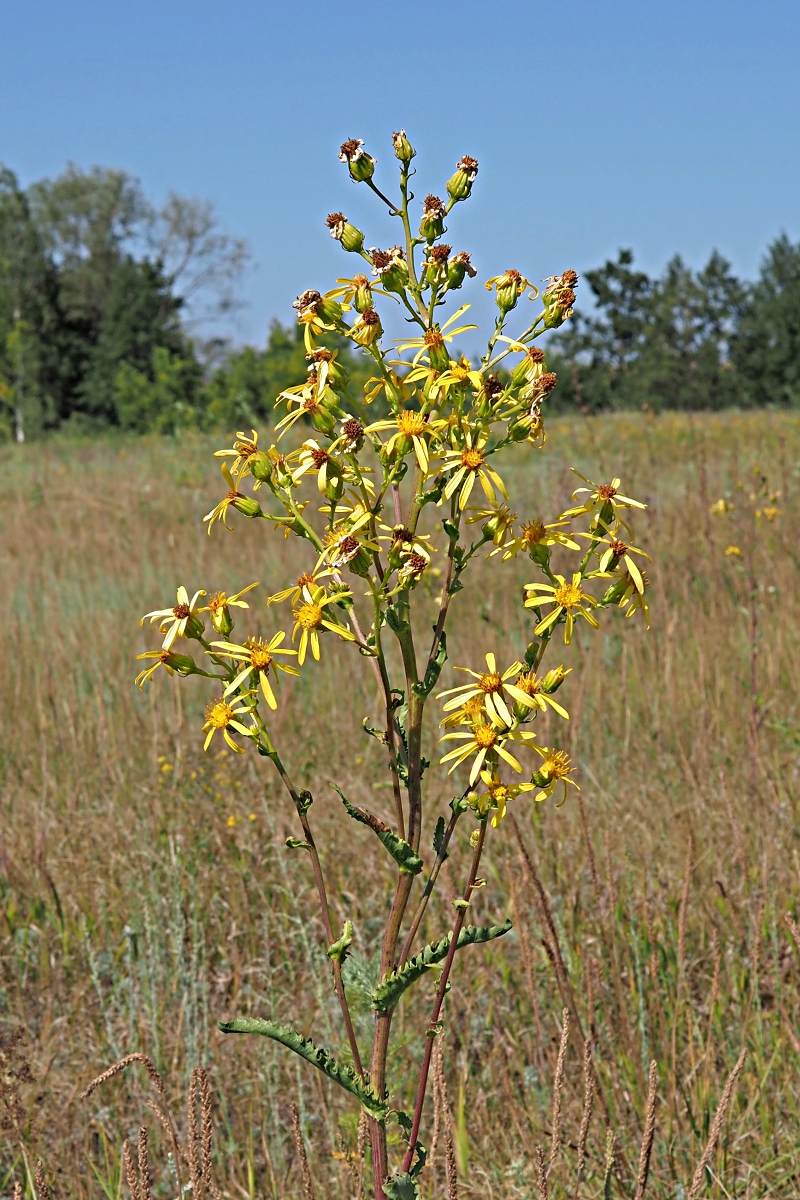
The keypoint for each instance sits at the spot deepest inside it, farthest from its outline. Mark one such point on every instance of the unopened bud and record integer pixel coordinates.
(352, 239)
(247, 506)
(402, 147)
(510, 286)
(530, 368)
(222, 620)
(459, 185)
(194, 627)
(362, 294)
(432, 224)
(360, 164)
(260, 466)
(391, 268)
(182, 663)
(554, 679)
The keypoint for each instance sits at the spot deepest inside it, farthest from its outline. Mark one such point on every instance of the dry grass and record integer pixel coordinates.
(133, 916)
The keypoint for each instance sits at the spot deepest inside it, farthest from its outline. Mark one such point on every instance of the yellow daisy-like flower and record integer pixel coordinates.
(633, 598)
(319, 461)
(181, 663)
(491, 686)
(177, 620)
(223, 715)
(243, 503)
(567, 598)
(260, 657)
(604, 501)
(617, 551)
(486, 740)
(536, 696)
(432, 341)
(310, 618)
(470, 712)
(556, 768)
(469, 464)
(244, 448)
(404, 542)
(412, 431)
(497, 796)
(220, 602)
(534, 534)
(458, 375)
(497, 520)
(307, 579)
(313, 399)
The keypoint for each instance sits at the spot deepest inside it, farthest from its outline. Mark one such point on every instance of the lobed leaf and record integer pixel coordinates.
(318, 1057)
(407, 859)
(392, 986)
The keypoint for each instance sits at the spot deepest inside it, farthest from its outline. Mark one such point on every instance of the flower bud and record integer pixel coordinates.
(509, 287)
(182, 663)
(323, 419)
(330, 311)
(402, 147)
(360, 164)
(260, 466)
(247, 506)
(352, 239)
(336, 374)
(554, 679)
(222, 620)
(362, 295)
(530, 368)
(360, 564)
(438, 354)
(194, 626)
(457, 268)
(367, 328)
(432, 224)
(459, 185)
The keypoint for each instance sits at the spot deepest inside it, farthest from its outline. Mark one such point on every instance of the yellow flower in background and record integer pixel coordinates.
(733, 551)
(468, 464)
(556, 768)
(470, 712)
(720, 507)
(310, 618)
(177, 620)
(260, 657)
(222, 715)
(567, 598)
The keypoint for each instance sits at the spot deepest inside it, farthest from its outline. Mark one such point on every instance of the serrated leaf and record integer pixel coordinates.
(407, 859)
(438, 835)
(339, 949)
(316, 1055)
(392, 986)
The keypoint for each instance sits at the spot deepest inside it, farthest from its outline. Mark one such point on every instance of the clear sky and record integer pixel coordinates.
(669, 126)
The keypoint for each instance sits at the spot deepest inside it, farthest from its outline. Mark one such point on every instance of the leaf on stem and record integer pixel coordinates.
(426, 686)
(407, 859)
(318, 1057)
(392, 986)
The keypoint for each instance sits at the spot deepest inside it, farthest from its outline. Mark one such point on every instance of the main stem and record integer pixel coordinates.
(440, 995)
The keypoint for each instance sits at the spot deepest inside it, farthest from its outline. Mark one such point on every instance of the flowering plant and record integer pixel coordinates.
(420, 484)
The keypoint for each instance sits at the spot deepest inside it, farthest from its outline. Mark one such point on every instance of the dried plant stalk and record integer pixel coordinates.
(697, 1182)
(41, 1183)
(588, 1105)
(146, 1062)
(558, 1087)
(144, 1165)
(541, 1174)
(297, 1134)
(649, 1133)
(130, 1171)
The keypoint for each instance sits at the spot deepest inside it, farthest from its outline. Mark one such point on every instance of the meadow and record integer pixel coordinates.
(146, 890)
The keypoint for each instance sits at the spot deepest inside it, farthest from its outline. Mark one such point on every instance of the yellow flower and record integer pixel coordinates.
(497, 522)
(258, 656)
(604, 501)
(244, 449)
(181, 663)
(733, 551)
(566, 598)
(470, 712)
(770, 512)
(431, 343)
(497, 795)
(720, 507)
(536, 696)
(616, 551)
(491, 686)
(313, 399)
(412, 429)
(223, 715)
(534, 534)
(635, 599)
(469, 464)
(307, 579)
(219, 604)
(556, 768)
(486, 740)
(310, 618)
(457, 375)
(179, 621)
(244, 504)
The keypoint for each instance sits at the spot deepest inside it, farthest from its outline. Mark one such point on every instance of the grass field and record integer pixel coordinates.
(146, 891)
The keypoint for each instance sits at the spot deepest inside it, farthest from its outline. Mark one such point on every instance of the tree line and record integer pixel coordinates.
(103, 296)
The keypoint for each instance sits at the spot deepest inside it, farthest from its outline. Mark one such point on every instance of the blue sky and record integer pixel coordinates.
(665, 127)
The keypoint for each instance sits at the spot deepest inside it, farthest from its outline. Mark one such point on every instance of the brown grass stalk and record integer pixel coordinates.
(719, 1117)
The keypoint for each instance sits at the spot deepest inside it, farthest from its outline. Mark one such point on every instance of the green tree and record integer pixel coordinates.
(163, 399)
(766, 348)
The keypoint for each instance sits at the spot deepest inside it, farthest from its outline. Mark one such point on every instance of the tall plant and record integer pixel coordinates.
(395, 492)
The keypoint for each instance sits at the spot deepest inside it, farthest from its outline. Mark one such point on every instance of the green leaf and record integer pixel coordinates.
(401, 1187)
(339, 949)
(407, 859)
(392, 986)
(434, 670)
(293, 843)
(318, 1057)
(438, 835)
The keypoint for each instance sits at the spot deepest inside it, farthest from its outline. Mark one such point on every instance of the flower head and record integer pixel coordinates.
(219, 605)
(179, 621)
(556, 768)
(568, 599)
(256, 657)
(311, 618)
(468, 464)
(487, 740)
(496, 797)
(223, 715)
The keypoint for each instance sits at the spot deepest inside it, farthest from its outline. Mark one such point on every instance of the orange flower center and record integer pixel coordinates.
(412, 424)
(490, 683)
(485, 736)
(568, 595)
(308, 616)
(529, 684)
(606, 491)
(219, 715)
(181, 611)
(471, 459)
(260, 658)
